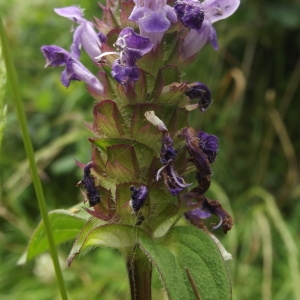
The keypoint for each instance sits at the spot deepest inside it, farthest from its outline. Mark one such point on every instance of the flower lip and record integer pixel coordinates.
(132, 46)
(84, 35)
(74, 13)
(154, 18)
(74, 69)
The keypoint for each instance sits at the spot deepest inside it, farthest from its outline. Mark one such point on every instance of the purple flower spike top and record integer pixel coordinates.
(154, 18)
(84, 35)
(199, 18)
(74, 69)
(132, 46)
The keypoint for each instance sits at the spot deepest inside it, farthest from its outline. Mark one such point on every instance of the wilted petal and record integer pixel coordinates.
(226, 255)
(156, 121)
(88, 183)
(198, 157)
(167, 152)
(209, 145)
(216, 208)
(200, 91)
(138, 197)
(174, 183)
(205, 210)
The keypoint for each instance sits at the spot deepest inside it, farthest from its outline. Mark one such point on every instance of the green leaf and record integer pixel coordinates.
(168, 268)
(121, 237)
(189, 263)
(65, 225)
(200, 259)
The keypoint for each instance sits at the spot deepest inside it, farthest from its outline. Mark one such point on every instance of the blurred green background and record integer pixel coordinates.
(254, 79)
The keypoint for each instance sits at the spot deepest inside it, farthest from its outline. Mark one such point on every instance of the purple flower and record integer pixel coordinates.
(190, 13)
(174, 183)
(74, 69)
(122, 73)
(198, 157)
(138, 197)
(200, 91)
(154, 18)
(209, 145)
(89, 184)
(132, 47)
(84, 34)
(199, 18)
(205, 210)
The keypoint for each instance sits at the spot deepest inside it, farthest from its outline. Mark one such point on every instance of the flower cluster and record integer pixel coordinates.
(143, 146)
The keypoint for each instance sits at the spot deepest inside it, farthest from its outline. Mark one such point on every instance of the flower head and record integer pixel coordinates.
(199, 18)
(209, 145)
(132, 46)
(74, 69)
(84, 34)
(201, 92)
(154, 18)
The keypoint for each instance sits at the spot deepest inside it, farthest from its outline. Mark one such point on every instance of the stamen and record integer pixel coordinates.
(121, 42)
(217, 226)
(160, 170)
(184, 184)
(98, 58)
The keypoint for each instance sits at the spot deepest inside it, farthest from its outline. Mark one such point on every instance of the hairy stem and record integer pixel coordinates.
(139, 270)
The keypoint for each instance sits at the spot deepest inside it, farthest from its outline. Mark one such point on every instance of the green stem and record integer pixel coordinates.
(12, 79)
(139, 270)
